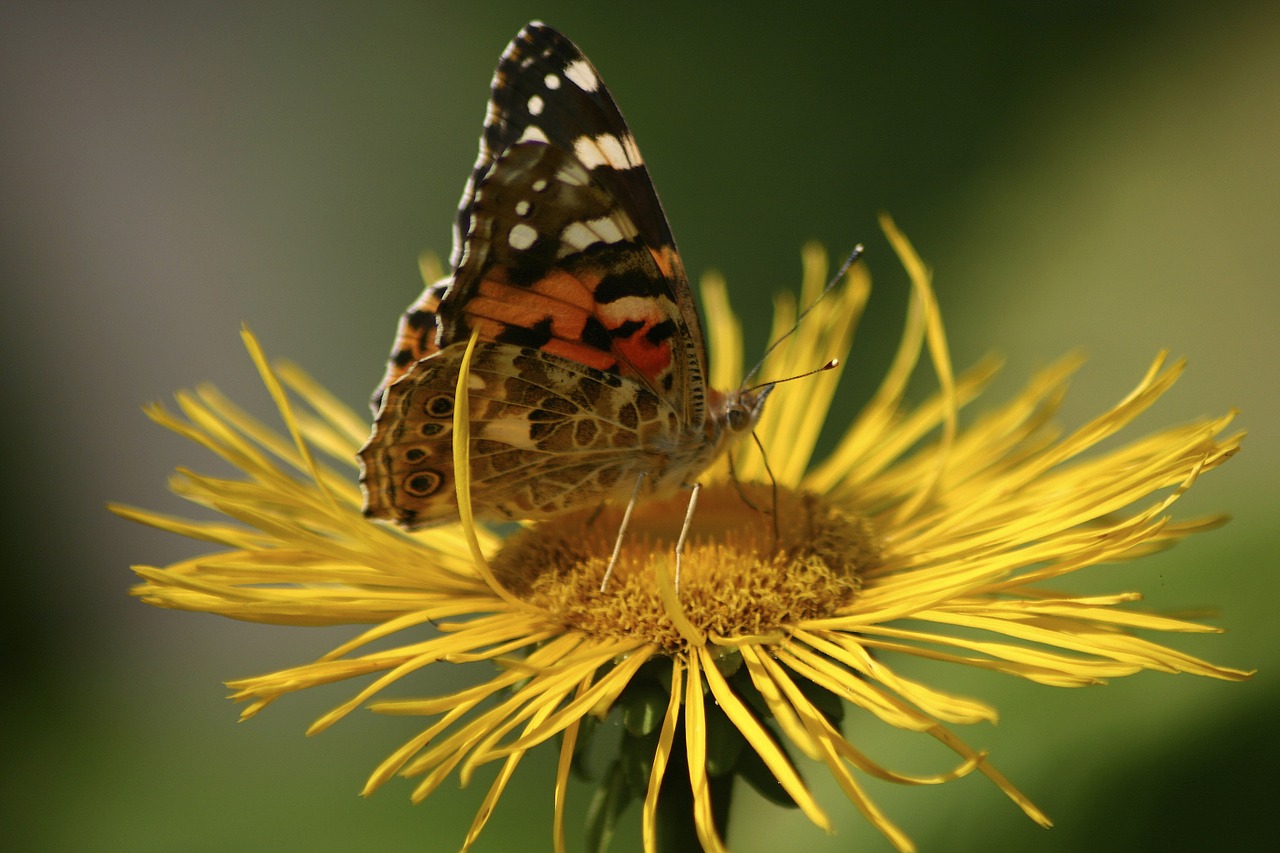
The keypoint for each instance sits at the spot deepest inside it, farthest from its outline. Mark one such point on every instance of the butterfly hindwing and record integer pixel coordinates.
(417, 336)
(547, 434)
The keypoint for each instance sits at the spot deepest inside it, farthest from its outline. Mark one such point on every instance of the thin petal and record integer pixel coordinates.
(666, 740)
(761, 741)
(567, 747)
(286, 411)
(935, 337)
(695, 737)
(602, 694)
(863, 694)
(790, 432)
(844, 648)
(349, 427)
(462, 474)
(781, 710)
(1036, 665)
(724, 332)
(1029, 808)
(500, 783)
(821, 733)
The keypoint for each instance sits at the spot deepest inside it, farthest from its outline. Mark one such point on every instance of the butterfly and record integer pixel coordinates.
(589, 379)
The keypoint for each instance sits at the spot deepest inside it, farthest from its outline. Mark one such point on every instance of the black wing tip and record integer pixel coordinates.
(536, 31)
(539, 34)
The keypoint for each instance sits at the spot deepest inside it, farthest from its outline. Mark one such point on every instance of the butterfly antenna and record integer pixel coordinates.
(835, 279)
(830, 365)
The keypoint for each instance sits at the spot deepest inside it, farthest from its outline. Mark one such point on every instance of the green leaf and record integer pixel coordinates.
(611, 800)
(644, 707)
(637, 762)
(724, 742)
(828, 704)
(751, 767)
(586, 729)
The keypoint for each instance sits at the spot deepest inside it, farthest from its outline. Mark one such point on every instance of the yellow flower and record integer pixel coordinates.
(800, 586)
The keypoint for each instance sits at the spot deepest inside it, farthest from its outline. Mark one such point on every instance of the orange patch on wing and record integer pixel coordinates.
(562, 287)
(419, 342)
(648, 359)
(640, 355)
(581, 353)
(573, 302)
(569, 302)
(559, 296)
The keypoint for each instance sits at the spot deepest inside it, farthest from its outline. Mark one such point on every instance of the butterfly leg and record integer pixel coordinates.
(622, 530)
(773, 486)
(737, 485)
(684, 529)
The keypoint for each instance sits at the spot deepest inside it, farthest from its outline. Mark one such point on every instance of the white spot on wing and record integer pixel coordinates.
(522, 208)
(580, 235)
(608, 229)
(532, 133)
(581, 73)
(512, 431)
(613, 151)
(573, 176)
(522, 237)
(539, 185)
(587, 152)
(552, 81)
(535, 105)
(603, 150)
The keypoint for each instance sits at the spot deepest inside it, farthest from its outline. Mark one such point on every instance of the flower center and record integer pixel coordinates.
(739, 574)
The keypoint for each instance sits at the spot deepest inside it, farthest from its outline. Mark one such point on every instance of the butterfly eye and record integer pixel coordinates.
(738, 418)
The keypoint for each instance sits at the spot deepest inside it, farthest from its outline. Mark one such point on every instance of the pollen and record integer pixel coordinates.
(741, 575)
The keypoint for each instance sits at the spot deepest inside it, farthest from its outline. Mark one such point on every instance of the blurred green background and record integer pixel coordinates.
(1085, 174)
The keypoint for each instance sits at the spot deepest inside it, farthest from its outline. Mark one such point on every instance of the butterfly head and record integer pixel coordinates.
(742, 410)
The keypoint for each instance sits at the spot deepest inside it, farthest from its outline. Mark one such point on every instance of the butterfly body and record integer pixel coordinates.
(589, 376)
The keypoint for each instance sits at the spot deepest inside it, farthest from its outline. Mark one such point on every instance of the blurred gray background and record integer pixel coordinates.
(1083, 174)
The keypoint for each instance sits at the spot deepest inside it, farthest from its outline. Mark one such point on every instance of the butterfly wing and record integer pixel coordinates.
(591, 364)
(560, 241)
(546, 90)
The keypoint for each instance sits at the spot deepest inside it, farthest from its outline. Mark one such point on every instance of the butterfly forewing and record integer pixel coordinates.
(547, 96)
(553, 263)
(546, 90)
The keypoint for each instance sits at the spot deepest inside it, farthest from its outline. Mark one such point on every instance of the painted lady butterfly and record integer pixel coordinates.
(589, 380)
